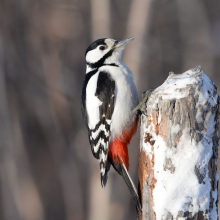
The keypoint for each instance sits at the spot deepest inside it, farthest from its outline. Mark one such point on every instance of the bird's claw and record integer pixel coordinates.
(141, 107)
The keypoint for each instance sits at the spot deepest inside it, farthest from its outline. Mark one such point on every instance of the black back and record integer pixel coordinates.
(105, 92)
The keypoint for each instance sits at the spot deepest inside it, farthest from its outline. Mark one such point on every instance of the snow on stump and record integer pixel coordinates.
(179, 149)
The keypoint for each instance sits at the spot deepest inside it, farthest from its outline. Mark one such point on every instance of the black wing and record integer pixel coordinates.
(105, 92)
(99, 136)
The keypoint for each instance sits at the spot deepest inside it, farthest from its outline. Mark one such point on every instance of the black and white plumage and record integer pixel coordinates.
(108, 97)
(99, 136)
(101, 100)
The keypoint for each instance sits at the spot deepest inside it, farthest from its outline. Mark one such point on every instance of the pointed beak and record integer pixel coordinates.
(120, 45)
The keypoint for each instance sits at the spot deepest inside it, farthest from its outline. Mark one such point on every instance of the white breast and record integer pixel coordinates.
(126, 98)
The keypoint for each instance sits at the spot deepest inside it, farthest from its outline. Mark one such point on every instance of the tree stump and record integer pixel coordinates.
(179, 149)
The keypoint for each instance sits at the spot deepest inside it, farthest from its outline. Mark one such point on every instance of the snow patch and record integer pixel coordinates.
(179, 190)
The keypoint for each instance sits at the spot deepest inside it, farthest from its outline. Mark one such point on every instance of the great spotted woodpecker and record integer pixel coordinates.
(109, 96)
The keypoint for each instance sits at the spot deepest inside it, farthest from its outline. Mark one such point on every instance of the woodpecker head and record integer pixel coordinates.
(105, 51)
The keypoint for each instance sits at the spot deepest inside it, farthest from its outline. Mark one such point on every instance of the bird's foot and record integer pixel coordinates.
(141, 107)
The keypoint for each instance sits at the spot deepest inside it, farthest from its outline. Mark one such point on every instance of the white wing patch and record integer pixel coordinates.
(108, 121)
(92, 102)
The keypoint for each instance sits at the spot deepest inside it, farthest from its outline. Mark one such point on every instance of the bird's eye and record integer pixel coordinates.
(102, 48)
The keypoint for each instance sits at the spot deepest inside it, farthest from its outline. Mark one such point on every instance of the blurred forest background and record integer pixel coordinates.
(47, 170)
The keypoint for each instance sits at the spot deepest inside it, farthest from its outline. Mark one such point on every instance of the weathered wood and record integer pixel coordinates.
(179, 149)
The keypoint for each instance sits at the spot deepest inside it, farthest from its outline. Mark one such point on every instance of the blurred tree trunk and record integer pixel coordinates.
(199, 26)
(100, 20)
(138, 22)
(9, 181)
(179, 149)
(20, 196)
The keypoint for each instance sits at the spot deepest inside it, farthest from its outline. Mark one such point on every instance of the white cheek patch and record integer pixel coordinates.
(95, 55)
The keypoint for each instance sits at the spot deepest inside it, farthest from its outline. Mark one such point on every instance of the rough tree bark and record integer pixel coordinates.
(179, 149)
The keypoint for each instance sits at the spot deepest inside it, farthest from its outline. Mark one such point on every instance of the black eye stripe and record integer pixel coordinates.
(101, 61)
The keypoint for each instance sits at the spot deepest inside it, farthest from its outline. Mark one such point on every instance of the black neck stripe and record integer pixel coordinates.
(101, 61)
(111, 64)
